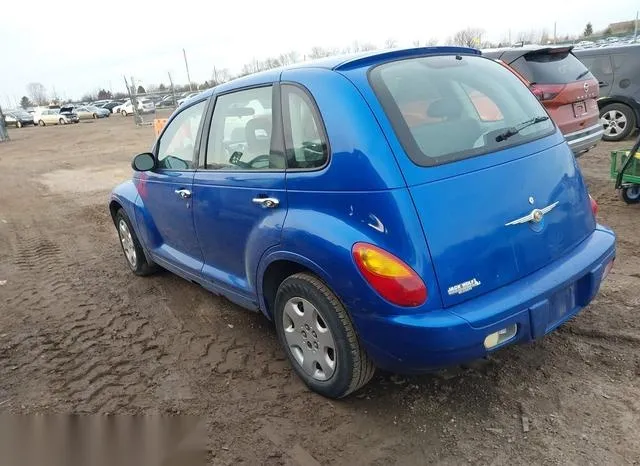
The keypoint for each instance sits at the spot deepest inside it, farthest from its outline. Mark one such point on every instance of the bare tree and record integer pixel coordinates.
(318, 52)
(367, 46)
(432, 42)
(390, 43)
(220, 75)
(469, 37)
(289, 58)
(544, 37)
(416, 43)
(38, 93)
(527, 37)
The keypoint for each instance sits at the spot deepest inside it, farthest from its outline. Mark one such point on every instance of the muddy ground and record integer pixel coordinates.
(79, 333)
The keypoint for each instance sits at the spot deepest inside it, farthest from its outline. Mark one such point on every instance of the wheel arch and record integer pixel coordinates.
(274, 268)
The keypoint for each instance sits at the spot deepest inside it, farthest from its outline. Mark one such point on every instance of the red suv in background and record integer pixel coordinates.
(565, 87)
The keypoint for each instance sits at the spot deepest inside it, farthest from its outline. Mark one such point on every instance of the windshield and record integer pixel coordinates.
(447, 108)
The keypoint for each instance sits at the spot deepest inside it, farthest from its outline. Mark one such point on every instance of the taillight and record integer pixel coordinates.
(546, 91)
(594, 206)
(394, 280)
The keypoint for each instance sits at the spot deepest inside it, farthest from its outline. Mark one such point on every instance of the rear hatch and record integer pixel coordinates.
(474, 186)
(563, 84)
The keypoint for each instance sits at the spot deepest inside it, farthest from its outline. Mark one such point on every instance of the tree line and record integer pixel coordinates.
(469, 37)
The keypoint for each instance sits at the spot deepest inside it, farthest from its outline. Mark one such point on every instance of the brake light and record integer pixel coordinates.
(594, 206)
(546, 91)
(394, 280)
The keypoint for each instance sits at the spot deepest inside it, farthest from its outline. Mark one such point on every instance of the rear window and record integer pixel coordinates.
(551, 68)
(448, 108)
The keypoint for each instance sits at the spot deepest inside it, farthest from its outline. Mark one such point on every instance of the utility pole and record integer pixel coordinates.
(555, 30)
(510, 38)
(186, 65)
(173, 93)
(4, 134)
(635, 30)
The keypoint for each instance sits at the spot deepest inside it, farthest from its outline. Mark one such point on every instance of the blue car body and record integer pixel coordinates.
(447, 222)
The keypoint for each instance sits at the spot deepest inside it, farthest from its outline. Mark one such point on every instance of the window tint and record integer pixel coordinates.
(240, 133)
(550, 68)
(304, 135)
(445, 108)
(176, 148)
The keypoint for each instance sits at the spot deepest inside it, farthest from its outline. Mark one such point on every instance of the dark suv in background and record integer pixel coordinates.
(563, 84)
(618, 71)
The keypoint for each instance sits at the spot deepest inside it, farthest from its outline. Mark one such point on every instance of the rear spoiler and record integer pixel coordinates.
(550, 50)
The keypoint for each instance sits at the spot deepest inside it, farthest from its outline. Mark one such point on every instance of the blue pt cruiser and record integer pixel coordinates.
(406, 210)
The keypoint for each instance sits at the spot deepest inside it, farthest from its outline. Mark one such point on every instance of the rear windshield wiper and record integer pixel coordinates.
(583, 74)
(516, 129)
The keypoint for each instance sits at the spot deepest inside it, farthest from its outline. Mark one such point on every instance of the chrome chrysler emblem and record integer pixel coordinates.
(586, 87)
(535, 216)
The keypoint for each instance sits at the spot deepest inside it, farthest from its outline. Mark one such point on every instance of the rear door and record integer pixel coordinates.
(601, 67)
(239, 196)
(494, 208)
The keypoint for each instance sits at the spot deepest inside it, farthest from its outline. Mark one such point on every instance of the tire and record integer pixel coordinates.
(123, 113)
(61, 121)
(18, 124)
(131, 247)
(320, 319)
(41, 123)
(618, 120)
(631, 194)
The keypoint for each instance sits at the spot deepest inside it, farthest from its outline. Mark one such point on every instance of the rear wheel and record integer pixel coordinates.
(95, 116)
(123, 113)
(631, 194)
(318, 337)
(131, 247)
(18, 124)
(62, 121)
(41, 123)
(618, 121)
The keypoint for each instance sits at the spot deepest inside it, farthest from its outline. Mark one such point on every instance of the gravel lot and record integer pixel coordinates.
(79, 333)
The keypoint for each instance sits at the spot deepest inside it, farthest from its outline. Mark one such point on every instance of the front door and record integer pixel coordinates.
(167, 194)
(239, 193)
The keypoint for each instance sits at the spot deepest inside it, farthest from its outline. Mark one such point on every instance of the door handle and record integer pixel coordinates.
(603, 84)
(266, 202)
(183, 193)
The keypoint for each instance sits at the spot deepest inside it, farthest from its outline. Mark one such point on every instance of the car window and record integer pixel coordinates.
(304, 134)
(447, 108)
(176, 148)
(551, 68)
(240, 133)
(600, 66)
(619, 59)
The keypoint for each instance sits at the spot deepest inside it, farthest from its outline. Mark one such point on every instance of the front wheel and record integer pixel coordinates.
(95, 116)
(41, 123)
(131, 247)
(62, 121)
(317, 334)
(123, 113)
(18, 124)
(631, 194)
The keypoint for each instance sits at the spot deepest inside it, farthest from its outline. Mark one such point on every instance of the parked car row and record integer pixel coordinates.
(606, 42)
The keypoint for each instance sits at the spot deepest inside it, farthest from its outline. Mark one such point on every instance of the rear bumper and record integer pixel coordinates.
(537, 304)
(585, 139)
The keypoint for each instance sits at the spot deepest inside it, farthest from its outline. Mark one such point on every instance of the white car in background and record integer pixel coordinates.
(144, 106)
(50, 116)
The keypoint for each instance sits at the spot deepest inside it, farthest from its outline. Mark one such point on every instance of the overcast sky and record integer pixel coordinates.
(78, 46)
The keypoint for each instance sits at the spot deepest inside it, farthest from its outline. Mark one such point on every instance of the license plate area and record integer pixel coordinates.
(561, 303)
(579, 108)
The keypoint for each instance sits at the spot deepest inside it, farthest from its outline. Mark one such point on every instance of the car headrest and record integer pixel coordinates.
(256, 124)
(445, 108)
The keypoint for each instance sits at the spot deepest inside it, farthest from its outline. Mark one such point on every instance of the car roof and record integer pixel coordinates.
(609, 50)
(337, 62)
(510, 54)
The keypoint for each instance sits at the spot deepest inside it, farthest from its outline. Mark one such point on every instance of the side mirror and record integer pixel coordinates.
(143, 162)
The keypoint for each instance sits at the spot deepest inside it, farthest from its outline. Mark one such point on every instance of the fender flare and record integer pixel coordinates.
(275, 254)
